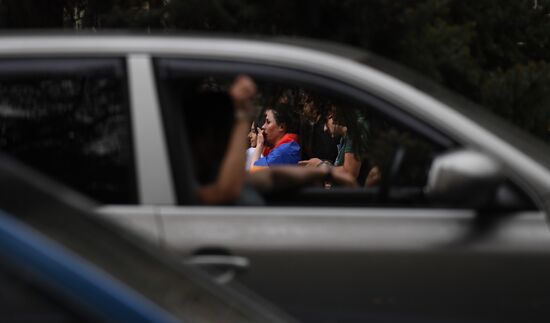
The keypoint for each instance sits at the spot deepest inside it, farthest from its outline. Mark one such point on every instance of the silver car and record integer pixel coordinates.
(456, 230)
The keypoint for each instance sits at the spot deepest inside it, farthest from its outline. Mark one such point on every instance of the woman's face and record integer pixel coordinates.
(252, 136)
(273, 131)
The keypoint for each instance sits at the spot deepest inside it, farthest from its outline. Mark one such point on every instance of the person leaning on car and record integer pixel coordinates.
(220, 169)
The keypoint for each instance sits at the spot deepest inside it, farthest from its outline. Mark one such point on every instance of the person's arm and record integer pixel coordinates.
(283, 177)
(374, 177)
(352, 164)
(232, 172)
(312, 162)
(230, 180)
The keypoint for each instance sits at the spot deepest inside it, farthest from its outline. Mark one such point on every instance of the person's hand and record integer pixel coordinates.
(374, 176)
(242, 91)
(342, 178)
(260, 139)
(313, 162)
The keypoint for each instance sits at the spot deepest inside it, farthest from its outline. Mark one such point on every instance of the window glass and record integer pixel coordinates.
(70, 119)
(389, 161)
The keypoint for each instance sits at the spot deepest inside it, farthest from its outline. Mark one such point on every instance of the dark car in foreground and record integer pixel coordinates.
(456, 231)
(61, 263)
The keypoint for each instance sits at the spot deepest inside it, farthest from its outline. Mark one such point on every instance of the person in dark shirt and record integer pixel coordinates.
(352, 130)
(316, 139)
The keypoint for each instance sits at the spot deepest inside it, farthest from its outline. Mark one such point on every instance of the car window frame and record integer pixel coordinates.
(167, 67)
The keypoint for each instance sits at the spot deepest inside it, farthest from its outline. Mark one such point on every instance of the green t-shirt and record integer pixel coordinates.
(343, 147)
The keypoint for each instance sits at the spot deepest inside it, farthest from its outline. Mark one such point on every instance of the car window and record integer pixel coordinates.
(390, 160)
(70, 119)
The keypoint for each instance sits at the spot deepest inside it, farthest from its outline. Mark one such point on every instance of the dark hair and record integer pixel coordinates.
(358, 127)
(287, 96)
(285, 115)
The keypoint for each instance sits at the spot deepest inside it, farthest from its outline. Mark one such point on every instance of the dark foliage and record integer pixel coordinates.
(493, 52)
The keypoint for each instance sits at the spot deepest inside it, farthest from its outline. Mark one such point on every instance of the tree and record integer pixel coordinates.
(28, 14)
(476, 48)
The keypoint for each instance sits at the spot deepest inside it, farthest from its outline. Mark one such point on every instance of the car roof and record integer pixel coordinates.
(328, 47)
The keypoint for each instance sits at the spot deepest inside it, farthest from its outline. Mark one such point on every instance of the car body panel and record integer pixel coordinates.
(352, 229)
(355, 265)
(153, 168)
(144, 220)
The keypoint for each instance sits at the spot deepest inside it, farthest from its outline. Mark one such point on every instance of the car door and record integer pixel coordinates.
(382, 254)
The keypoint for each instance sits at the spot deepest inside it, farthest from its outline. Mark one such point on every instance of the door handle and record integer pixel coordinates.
(235, 262)
(223, 268)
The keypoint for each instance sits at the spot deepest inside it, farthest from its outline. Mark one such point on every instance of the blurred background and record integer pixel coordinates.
(493, 52)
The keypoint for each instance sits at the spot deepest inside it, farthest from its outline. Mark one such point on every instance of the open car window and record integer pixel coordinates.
(392, 152)
(390, 155)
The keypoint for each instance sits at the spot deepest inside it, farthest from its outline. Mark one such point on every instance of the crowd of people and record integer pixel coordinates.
(310, 142)
(320, 134)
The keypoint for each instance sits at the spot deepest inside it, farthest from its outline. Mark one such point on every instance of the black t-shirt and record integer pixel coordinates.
(318, 143)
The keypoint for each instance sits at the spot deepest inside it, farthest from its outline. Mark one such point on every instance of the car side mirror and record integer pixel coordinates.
(463, 178)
